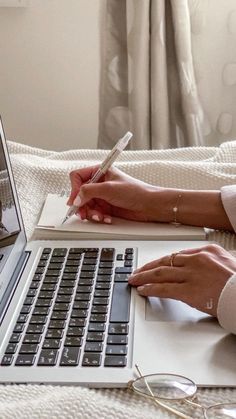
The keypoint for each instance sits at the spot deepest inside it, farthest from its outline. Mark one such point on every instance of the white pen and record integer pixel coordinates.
(105, 165)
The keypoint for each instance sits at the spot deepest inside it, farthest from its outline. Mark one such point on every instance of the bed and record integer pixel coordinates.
(38, 172)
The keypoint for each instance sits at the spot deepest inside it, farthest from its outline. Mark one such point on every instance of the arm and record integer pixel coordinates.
(123, 196)
(226, 306)
(197, 208)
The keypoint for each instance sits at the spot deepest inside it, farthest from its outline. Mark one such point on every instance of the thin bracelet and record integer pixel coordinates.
(175, 210)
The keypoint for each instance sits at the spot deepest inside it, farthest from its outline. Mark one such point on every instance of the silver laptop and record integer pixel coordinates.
(68, 316)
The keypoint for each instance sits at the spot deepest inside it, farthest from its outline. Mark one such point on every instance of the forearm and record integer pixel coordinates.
(196, 208)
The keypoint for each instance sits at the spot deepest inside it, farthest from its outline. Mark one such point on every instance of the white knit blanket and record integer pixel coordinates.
(38, 172)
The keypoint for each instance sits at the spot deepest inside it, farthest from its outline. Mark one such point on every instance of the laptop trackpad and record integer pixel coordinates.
(167, 310)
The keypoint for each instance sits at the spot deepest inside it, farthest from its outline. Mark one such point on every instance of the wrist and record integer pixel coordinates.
(161, 204)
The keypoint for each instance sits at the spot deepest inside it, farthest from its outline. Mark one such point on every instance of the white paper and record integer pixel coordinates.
(55, 209)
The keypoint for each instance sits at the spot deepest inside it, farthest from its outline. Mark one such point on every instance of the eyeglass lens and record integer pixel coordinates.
(165, 386)
(220, 411)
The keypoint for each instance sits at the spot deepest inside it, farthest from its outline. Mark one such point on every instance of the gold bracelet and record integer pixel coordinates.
(175, 210)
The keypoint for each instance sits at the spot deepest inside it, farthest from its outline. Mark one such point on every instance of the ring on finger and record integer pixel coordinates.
(172, 258)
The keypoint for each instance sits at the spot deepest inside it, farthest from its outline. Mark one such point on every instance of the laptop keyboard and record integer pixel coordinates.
(76, 311)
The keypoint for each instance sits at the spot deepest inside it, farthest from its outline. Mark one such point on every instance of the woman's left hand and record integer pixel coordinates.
(194, 276)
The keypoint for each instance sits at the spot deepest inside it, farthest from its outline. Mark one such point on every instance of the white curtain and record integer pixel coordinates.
(168, 72)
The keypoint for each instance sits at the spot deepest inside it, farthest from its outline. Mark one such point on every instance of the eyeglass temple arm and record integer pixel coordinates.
(160, 403)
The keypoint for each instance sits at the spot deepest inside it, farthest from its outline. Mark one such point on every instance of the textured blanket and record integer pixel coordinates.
(38, 172)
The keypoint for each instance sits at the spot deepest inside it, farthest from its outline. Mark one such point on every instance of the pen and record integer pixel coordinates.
(105, 165)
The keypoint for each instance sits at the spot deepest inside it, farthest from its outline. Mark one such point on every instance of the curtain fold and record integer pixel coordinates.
(168, 73)
(148, 83)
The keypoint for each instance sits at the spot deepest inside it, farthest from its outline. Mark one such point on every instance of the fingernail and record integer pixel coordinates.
(140, 289)
(95, 217)
(77, 201)
(107, 220)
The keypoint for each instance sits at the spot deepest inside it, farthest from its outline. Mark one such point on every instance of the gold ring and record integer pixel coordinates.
(172, 258)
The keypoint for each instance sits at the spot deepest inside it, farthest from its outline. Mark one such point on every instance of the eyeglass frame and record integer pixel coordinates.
(160, 403)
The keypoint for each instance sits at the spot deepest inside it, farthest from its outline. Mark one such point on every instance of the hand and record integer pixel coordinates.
(116, 194)
(196, 277)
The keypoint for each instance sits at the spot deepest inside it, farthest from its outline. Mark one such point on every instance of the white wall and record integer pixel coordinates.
(49, 73)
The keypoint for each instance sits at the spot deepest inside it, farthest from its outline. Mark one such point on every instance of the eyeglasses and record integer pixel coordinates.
(164, 388)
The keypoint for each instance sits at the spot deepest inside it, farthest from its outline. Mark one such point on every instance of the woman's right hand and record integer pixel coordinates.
(116, 194)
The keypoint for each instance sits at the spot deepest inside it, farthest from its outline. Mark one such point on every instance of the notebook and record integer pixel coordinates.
(68, 315)
(49, 226)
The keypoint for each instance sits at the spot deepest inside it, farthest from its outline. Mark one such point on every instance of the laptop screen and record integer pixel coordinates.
(12, 237)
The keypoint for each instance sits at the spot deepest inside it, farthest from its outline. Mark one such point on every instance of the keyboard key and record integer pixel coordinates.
(77, 322)
(54, 334)
(59, 315)
(93, 347)
(40, 311)
(19, 327)
(11, 348)
(103, 286)
(80, 305)
(73, 341)
(107, 254)
(32, 338)
(51, 344)
(35, 328)
(101, 293)
(75, 331)
(7, 360)
(85, 281)
(92, 360)
(56, 324)
(104, 278)
(118, 329)
(70, 356)
(116, 350)
(15, 337)
(121, 277)
(99, 309)
(29, 301)
(84, 289)
(95, 337)
(129, 250)
(117, 339)
(79, 313)
(123, 270)
(25, 360)
(48, 357)
(100, 301)
(120, 306)
(30, 348)
(59, 252)
(96, 327)
(100, 318)
(87, 274)
(22, 318)
(25, 309)
(38, 320)
(61, 306)
(115, 361)
(82, 297)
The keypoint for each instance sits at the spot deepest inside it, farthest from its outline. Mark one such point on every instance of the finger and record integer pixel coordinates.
(174, 291)
(164, 261)
(98, 216)
(159, 275)
(77, 179)
(102, 191)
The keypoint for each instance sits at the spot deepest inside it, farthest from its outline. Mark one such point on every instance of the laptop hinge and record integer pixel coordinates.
(14, 281)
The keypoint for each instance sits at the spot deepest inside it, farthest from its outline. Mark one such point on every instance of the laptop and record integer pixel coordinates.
(68, 316)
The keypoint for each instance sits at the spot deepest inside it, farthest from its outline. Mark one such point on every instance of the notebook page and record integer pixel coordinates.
(55, 209)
